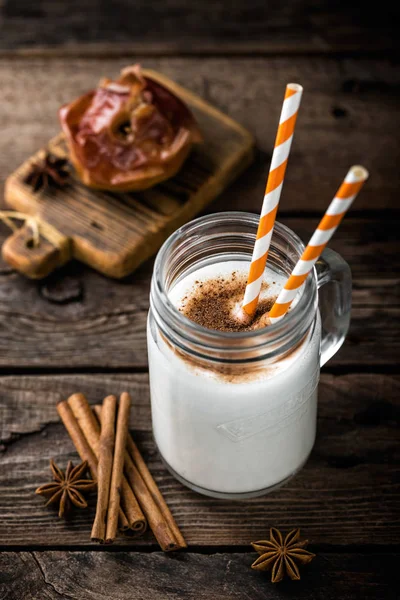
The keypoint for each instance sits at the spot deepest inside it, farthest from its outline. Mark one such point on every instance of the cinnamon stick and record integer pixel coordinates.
(83, 448)
(123, 522)
(91, 429)
(121, 433)
(150, 498)
(154, 491)
(106, 451)
(77, 436)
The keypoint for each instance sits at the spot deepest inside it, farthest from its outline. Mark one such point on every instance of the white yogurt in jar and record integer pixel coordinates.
(232, 436)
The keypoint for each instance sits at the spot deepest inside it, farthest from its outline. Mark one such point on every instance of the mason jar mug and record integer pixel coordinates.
(234, 413)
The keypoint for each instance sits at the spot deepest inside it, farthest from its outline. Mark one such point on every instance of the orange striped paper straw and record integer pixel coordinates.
(345, 195)
(273, 190)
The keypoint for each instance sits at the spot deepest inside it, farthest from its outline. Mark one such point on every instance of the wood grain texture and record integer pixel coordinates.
(128, 575)
(116, 232)
(79, 319)
(348, 115)
(176, 26)
(348, 493)
(36, 261)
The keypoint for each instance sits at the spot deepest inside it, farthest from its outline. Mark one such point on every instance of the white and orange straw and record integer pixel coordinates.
(345, 195)
(273, 190)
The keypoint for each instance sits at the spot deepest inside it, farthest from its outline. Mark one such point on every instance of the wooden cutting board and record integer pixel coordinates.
(115, 232)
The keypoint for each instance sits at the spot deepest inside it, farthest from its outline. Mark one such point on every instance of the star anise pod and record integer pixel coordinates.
(50, 172)
(67, 487)
(281, 555)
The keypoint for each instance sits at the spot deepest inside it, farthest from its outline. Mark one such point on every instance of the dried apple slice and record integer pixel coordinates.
(128, 134)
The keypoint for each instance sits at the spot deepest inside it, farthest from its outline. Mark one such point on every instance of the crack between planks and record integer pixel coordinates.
(50, 585)
(98, 370)
(125, 51)
(360, 369)
(94, 319)
(209, 550)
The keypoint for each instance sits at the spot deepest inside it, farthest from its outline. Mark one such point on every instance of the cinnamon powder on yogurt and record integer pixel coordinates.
(212, 303)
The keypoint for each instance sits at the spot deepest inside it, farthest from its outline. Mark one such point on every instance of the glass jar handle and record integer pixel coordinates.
(334, 301)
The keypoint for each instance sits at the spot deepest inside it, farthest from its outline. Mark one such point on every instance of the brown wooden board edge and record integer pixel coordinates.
(227, 172)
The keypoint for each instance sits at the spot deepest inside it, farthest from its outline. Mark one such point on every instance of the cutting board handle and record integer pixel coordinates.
(33, 261)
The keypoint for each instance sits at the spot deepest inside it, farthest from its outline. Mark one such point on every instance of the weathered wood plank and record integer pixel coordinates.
(133, 576)
(78, 319)
(348, 493)
(179, 27)
(348, 115)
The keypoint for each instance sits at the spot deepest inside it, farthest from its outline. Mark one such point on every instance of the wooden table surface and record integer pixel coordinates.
(78, 331)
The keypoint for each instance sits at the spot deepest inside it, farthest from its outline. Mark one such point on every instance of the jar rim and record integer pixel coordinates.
(280, 333)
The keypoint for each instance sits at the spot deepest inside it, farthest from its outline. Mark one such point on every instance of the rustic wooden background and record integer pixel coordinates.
(79, 331)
